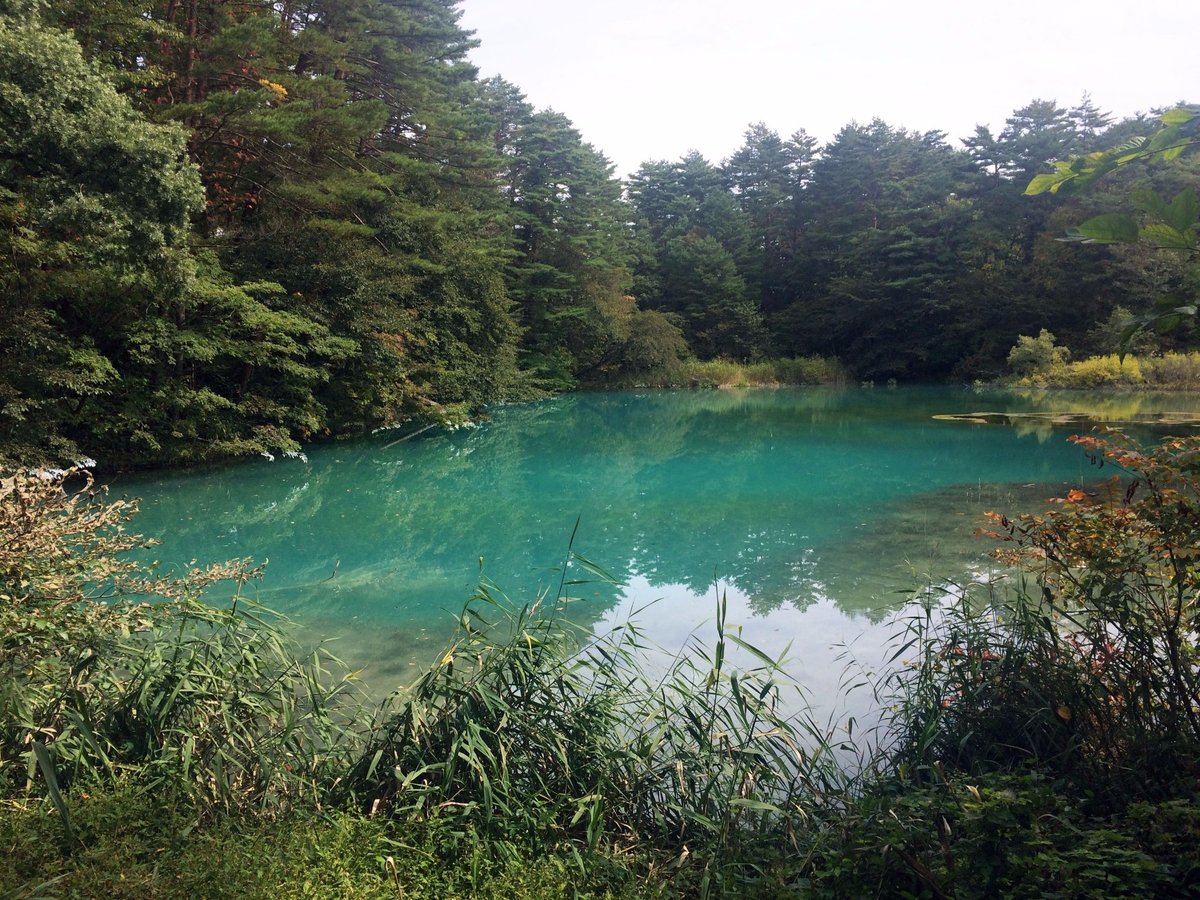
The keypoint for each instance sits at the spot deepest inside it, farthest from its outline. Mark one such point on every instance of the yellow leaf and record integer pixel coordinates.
(277, 89)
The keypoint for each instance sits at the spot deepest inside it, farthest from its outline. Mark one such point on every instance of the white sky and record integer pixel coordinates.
(653, 79)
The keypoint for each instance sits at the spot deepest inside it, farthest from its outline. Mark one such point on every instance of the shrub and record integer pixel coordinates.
(724, 373)
(655, 341)
(1173, 371)
(992, 836)
(1088, 672)
(1097, 371)
(521, 733)
(131, 847)
(1032, 357)
(808, 370)
(1110, 336)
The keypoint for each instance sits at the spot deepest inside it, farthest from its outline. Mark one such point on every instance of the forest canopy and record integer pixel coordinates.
(229, 228)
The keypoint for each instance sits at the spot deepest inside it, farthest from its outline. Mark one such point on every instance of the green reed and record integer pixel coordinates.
(527, 729)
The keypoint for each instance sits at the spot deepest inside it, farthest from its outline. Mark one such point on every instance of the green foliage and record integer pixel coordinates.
(654, 342)
(322, 245)
(352, 270)
(766, 373)
(703, 258)
(723, 373)
(229, 228)
(1097, 372)
(768, 175)
(992, 836)
(521, 734)
(121, 342)
(133, 847)
(1119, 569)
(1168, 224)
(1110, 371)
(94, 203)
(1178, 134)
(1172, 225)
(1043, 738)
(1037, 357)
(1108, 336)
(879, 274)
(570, 274)
(1045, 734)
(702, 286)
(802, 370)
(1173, 371)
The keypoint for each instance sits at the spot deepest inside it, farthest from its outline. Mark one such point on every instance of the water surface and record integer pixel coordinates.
(813, 510)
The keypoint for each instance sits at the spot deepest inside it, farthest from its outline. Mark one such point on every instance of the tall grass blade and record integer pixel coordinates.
(46, 765)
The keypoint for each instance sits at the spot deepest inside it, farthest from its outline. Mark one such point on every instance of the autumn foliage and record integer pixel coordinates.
(1086, 665)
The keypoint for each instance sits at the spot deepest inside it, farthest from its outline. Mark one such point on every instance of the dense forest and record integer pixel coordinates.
(228, 228)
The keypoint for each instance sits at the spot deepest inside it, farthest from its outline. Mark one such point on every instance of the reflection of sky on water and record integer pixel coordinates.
(816, 641)
(816, 507)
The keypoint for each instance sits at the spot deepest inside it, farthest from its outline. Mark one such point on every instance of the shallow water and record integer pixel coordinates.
(813, 510)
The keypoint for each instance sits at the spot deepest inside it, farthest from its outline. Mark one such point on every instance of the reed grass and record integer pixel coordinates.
(528, 730)
(109, 670)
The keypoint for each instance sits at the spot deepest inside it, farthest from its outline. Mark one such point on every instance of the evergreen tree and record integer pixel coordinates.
(767, 176)
(704, 251)
(1026, 280)
(570, 276)
(705, 289)
(121, 343)
(344, 157)
(878, 273)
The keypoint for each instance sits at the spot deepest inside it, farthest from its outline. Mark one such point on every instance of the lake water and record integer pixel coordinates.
(816, 511)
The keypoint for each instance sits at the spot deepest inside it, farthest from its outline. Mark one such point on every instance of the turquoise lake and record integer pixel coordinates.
(814, 510)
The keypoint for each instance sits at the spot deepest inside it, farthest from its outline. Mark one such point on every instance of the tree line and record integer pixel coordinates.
(227, 228)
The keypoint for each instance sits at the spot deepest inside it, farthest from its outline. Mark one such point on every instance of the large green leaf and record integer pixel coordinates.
(1166, 139)
(1180, 214)
(1111, 228)
(1180, 116)
(1184, 211)
(1048, 182)
(46, 764)
(1151, 202)
(1168, 238)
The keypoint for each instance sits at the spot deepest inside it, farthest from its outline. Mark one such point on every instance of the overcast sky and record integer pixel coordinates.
(653, 79)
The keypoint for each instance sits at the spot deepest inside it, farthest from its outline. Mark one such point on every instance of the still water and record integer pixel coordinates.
(814, 511)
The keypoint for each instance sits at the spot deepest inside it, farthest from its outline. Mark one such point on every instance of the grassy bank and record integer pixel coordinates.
(1042, 734)
(128, 845)
(721, 373)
